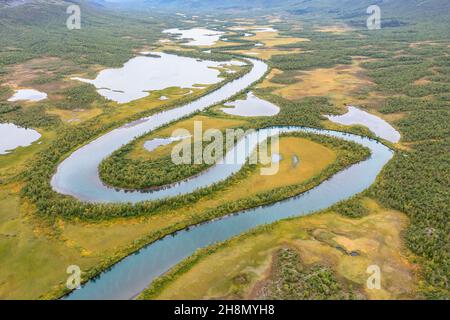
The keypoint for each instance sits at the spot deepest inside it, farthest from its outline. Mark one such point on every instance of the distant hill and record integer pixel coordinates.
(405, 8)
(347, 9)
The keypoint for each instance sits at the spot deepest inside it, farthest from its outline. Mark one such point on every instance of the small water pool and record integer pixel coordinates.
(198, 36)
(28, 95)
(12, 137)
(252, 106)
(378, 126)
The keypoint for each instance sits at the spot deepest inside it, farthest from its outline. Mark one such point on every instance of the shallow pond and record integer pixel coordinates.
(12, 137)
(252, 106)
(149, 73)
(153, 144)
(378, 126)
(28, 95)
(198, 36)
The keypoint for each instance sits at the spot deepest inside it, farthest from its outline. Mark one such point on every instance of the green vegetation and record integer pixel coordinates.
(417, 183)
(29, 117)
(308, 61)
(352, 208)
(125, 173)
(6, 108)
(5, 93)
(409, 65)
(333, 250)
(433, 125)
(82, 96)
(291, 281)
(52, 205)
(39, 29)
(286, 77)
(402, 104)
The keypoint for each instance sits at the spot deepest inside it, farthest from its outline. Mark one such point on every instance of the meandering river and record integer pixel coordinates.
(78, 176)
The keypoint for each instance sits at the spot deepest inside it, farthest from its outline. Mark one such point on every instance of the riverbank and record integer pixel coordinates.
(244, 266)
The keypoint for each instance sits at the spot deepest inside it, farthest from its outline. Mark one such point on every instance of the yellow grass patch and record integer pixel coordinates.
(103, 239)
(338, 83)
(421, 82)
(30, 70)
(267, 80)
(15, 162)
(221, 43)
(390, 117)
(337, 28)
(264, 52)
(422, 43)
(77, 115)
(272, 39)
(45, 70)
(31, 262)
(313, 159)
(162, 46)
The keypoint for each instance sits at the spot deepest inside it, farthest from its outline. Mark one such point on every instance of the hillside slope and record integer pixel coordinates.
(406, 8)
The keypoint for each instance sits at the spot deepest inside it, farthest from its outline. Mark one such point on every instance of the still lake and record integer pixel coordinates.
(156, 71)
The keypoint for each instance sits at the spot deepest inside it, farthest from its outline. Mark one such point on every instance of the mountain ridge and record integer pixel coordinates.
(409, 8)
